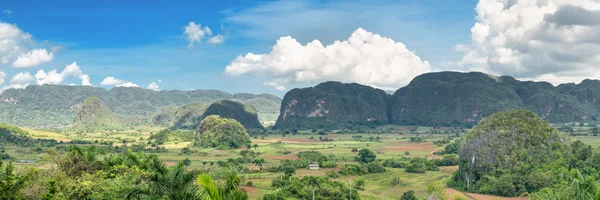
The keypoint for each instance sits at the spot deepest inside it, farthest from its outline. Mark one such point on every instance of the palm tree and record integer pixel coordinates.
(259, 163)
(78, 160)
(187, 162)
(581, 187)
(229, 190)
(177, 183)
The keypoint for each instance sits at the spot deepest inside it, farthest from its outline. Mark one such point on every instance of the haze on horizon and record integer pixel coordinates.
(243, 46)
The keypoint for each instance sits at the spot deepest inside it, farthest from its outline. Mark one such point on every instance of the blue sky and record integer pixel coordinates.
(145, 43)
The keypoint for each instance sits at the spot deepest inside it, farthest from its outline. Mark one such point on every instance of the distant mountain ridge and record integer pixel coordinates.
(55, 105)
(436, 99)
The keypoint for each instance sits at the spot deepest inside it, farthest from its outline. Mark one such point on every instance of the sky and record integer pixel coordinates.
(275, 46)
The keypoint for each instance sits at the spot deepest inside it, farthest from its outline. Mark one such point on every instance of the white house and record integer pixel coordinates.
(313, 166)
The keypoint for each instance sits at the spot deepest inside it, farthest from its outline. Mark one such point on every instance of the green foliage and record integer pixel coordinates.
(420, 165)
(313, 156)
(352, 169)
(366, 156)
(447, 160)
(302, 188)
(11, 184)
(222, 133)
(225, 191)
(516, 152)
(167, 136)
(408, 195)
(577, 186)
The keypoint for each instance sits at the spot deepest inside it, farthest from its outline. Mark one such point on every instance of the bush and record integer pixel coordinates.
(447, 160)
(395, 181)
(333, 174)
(420, 165)
(366, 156)
(408, 195)
(393, 163)
(375, 167)
(351, 169)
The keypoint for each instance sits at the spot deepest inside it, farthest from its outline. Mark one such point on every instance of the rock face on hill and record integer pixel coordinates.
(94, 115)
(189, 116)
(333, 105)
(521, 146)
(56, 105)
(437, 99)
(241, 112)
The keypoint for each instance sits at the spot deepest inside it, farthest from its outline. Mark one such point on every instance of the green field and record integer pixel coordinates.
(393, 143)
(274, 148)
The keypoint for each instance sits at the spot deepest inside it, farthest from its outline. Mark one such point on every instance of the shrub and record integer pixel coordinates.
(408, 195)
(333, 174)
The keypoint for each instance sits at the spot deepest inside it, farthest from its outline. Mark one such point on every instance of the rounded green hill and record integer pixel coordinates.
(509, 153)
(221, 133)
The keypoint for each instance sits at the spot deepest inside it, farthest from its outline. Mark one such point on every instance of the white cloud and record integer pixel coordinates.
(7, 12)
(276, 85)
(195, 33)
(53, 77)
(153, 86)
(551, 40)
(217, 39)
(33, 58)
(13, 42)
(112, 81)
(22, 78)
(365, 58)
(2, 77)
(15, 86)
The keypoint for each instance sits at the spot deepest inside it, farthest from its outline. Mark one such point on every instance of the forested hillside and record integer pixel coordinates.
(54, 105)
(437, 99)
(333, 104)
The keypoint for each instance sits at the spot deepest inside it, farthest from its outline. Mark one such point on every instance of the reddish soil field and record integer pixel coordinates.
(412, 146)
(289, 157)
(170, 163)
(251, 191)
(474, 196)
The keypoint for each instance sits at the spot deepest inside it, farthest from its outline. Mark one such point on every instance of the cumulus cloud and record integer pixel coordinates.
(153, 86)
(552, 40)
(2, 77)
(365, 58)
(195, 33)
(33, 58)
(217, 39)
(22, 78)
(112, 81)
(13, 42)
(54, 77)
